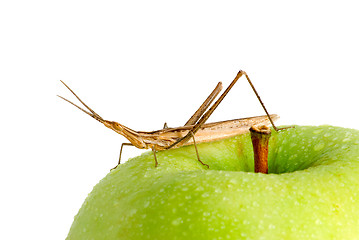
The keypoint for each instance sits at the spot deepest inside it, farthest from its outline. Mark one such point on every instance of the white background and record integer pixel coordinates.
(142, 63)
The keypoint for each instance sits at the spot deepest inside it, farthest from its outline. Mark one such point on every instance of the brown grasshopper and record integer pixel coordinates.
(194, 131)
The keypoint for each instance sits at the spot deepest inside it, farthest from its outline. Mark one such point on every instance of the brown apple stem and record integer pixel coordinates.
(260, 137)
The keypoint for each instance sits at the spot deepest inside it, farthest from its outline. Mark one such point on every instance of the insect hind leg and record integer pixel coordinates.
(260, 101)
(195, 147)
(154, 155)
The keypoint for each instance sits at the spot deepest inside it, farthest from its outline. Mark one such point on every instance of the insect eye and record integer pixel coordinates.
(117, 125)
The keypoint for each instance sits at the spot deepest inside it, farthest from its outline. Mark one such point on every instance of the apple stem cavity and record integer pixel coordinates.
(260, 137)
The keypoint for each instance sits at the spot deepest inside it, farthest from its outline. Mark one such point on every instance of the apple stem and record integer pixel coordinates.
(260, 137)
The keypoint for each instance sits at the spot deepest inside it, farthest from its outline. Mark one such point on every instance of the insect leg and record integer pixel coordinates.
(154, 154)
(261, 102)
(207, 114)
(123, 144)
(119, 159)
(202, 109)
(196, 116)
(195, 146)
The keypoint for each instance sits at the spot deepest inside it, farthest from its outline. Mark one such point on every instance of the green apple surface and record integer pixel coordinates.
(311, 191)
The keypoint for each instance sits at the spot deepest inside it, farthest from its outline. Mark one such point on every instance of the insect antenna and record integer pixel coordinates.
(92, 113)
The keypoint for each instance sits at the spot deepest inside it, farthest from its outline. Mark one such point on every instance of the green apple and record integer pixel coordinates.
(311, 191)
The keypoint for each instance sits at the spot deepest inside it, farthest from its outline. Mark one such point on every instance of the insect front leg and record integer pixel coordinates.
(119, 159)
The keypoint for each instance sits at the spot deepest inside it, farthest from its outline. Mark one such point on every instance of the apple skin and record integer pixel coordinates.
(311, 191)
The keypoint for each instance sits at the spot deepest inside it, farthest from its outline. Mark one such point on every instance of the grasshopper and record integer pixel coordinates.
(195, 129)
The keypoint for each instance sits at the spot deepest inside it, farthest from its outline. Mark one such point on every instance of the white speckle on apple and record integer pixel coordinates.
(327, 135)
(206, 214)
(271, 226)
(205, 195)
(319, 146)
(292, 145)
(225, 198)
(147, 203)
(199, 189)
(243, 235)
(318, 131)
(218, 190)
(132, 212)
(246, 222)
(292, 157)
(318, 221)
(177, 221)
(233, 181)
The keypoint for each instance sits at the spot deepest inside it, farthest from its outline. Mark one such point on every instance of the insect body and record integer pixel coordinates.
(163, 139)
(194, 131)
